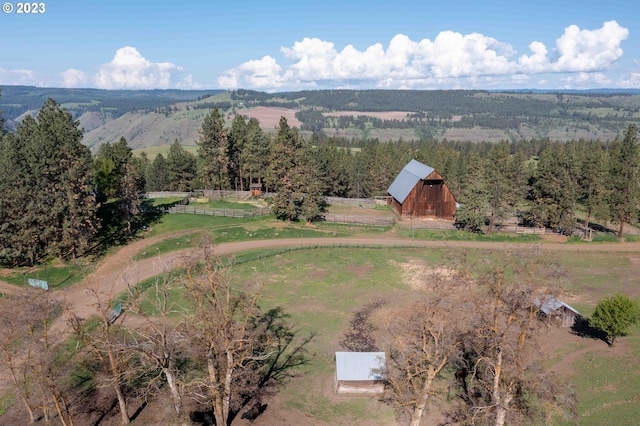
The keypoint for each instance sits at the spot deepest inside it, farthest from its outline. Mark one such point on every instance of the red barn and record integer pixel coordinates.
(420, 192)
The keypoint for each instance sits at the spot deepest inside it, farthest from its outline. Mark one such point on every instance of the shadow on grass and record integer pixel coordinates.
(114, 231)
(582, 328)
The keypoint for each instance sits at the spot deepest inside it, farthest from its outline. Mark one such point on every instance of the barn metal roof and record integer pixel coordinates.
(407, 179)
(360, 365)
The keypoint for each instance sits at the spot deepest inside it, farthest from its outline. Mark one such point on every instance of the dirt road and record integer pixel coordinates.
(114, 273)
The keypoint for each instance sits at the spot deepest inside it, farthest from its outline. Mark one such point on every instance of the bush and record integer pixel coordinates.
(615, 315)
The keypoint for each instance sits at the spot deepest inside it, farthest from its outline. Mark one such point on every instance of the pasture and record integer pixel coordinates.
(321, 289)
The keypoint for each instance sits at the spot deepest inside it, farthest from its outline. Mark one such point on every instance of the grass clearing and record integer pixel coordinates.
(453, 235)
(58, 276)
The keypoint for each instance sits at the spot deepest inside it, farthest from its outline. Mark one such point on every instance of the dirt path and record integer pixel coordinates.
(114, 273)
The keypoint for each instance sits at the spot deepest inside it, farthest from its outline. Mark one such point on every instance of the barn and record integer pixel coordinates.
(419, 191)
(558, 311)
(360, 372)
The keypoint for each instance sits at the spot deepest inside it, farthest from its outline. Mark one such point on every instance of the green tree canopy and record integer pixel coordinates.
(615, 315)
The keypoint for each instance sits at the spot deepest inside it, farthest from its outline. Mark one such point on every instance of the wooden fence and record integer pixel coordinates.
(208, 211)
(359, 219)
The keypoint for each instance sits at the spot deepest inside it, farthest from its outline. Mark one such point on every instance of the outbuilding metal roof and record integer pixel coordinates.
(552, 304)
(407, 179)
(360, 365)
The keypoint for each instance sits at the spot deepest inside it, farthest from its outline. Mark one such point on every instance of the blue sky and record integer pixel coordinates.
(295, 45)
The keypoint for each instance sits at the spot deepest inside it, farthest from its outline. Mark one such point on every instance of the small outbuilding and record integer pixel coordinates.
(419, 191)
(557, 310)
(360, 372)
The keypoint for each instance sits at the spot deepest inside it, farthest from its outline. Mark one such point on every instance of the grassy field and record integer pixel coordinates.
(323, 288)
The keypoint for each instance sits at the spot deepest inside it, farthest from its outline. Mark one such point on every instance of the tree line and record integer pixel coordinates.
(59, 200)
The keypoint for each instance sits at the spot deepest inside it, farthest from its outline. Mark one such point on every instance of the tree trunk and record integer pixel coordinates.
(501, 412)
(586, 220)
(175, 394)
(216, 397)
(416, 416)
(116, 386)
(621, 229)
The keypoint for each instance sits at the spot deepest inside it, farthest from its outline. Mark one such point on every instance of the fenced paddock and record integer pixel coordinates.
(209, 211)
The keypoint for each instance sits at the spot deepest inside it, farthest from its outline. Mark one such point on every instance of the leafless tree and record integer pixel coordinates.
(423, 338)
(29, 347)
(159, 338)
(105, 341)
(244, 351)
(500, 346)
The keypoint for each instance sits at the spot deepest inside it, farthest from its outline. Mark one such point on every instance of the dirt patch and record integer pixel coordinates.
(269, 117)
(417, 274)
(361, 271)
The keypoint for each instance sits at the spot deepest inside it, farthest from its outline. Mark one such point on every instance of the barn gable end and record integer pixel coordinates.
(420, 191)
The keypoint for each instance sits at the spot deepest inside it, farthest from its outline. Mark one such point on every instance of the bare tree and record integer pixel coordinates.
(160, 338)
(244, 351)
(501, 343)
(29, 347)
(423, 338)
(105, 341)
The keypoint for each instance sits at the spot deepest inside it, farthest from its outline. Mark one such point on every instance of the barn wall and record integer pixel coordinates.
(429, 198)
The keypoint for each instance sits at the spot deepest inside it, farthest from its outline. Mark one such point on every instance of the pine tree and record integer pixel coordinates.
(52, 207)
(158, 178)
(474, 197)
(213, 152)
(624, 190)
(182, 168)
(294, 177)
(256, 153)
(237, 142)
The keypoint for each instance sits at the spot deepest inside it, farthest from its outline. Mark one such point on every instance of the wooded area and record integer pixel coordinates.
(55, 196)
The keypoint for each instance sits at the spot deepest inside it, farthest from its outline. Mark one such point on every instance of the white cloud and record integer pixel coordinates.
(450, 60)
(19, 77)
(585, 80)
(130, 70)
(73, 78)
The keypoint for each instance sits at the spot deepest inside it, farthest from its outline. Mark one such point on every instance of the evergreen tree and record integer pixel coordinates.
(474, 197)
(58, 214)
(592, 180)
(213, 152)
(237, 141)
(499, 185)
(333, 163)
(293, 177)
(181, 166)
(256, 153)
(624, 190)
(158, 178)
(555, 189)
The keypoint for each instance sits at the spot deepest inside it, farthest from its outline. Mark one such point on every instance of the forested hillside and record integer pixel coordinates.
(158, 117)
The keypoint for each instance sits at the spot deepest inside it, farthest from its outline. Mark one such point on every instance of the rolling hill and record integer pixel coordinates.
(148, 118)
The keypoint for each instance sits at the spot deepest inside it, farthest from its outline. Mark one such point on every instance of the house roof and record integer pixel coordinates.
(360, 365)
(407, 179)
(551, 304)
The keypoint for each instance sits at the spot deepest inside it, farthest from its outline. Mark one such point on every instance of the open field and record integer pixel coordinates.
(321, 287)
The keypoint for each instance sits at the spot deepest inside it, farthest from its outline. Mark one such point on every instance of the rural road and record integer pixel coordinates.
(114, 273)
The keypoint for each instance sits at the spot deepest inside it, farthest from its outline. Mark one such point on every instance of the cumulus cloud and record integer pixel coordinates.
(19, 77)
(130, 70)
(73, 78)
(448, 60)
